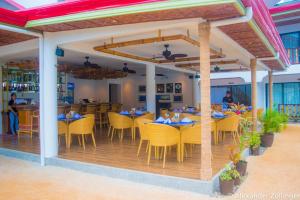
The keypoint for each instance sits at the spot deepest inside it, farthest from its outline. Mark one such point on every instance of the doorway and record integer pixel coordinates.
(114, 93)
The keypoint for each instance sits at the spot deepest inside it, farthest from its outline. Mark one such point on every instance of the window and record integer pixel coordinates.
(284, 93)
(240, 93)
(291, 42)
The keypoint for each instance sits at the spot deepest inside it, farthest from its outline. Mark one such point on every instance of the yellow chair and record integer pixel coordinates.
(260, 112)
(248, 114)
(62, 131)
(110, 122)
(82, 127)
(189, 135)
(92, 116)
(143, 134)
(230, 124)
(149, 116)
(161, 135)
(120, 122)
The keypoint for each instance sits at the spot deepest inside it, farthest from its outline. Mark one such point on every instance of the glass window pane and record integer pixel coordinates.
(291, 93)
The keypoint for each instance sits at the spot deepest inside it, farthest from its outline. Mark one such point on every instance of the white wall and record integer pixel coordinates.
(98, 89)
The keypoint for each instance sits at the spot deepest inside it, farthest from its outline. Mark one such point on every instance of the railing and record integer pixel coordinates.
(293, 54)
(292, 110)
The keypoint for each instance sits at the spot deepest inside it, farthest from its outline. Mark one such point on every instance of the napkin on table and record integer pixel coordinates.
(160, 119)
(167, 121)
(186, 120)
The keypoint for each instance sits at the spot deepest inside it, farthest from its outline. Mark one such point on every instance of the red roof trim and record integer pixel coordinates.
(19, 18)
(13, 18)
(73, 7)
(285, 8)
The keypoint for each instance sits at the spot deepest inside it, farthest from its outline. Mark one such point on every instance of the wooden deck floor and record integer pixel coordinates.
(123, 155)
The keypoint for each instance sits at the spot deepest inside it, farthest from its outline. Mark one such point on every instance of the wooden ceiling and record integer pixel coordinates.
(8, 37)
(211, 13)
(245, 36)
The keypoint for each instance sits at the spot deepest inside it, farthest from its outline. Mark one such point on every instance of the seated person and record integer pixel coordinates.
(228, 100)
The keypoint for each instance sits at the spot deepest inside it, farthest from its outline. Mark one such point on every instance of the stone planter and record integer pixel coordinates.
(254, 151)
(226, 187)
(241, 167)
(267, 139)
(237, 181)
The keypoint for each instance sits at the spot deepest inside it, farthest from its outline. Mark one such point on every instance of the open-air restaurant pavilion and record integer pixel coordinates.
(125, 85)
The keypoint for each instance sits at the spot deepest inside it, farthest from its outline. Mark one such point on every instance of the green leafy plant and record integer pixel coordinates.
(245, 125)
(284, 119)
(229, 174)
(226, 175)
(272, 121)
(234, 173)
(254, 140)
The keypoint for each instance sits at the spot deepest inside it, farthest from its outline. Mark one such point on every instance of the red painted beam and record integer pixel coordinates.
(13, 18)
(285, 8)
(78, 6)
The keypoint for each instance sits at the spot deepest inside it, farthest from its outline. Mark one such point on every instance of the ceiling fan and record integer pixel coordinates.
(127, 70)
(87, 63)
(169, 56)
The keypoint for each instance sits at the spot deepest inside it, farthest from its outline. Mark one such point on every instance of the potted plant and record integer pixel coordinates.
(226, 181)
(236, 176)
(254, 143)
(272, 122)
(239, 163)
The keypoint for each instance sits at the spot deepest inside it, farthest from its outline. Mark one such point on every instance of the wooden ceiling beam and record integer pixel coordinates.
(221, 62)
(154, 40)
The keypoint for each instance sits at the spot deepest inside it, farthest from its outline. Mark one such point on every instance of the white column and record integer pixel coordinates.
(1, 98)
(196, 92)
(150, 88)
(48, 97)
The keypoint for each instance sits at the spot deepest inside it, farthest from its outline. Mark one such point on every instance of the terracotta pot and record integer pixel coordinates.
(254, 151)
(267, 139)
(226, 187)
(241, 167)
(237, 181)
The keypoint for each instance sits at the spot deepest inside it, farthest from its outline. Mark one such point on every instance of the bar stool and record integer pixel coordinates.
(102, 113)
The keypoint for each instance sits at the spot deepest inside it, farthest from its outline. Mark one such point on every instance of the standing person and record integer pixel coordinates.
(228, 100)
(13, 114)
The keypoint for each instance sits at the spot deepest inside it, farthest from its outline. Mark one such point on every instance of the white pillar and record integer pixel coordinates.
(196, 92)
(48, 97)
(150, 88)
(1, 107)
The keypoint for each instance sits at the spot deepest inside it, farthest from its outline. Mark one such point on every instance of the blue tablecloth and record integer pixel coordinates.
(177, 123)
(132, 115)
